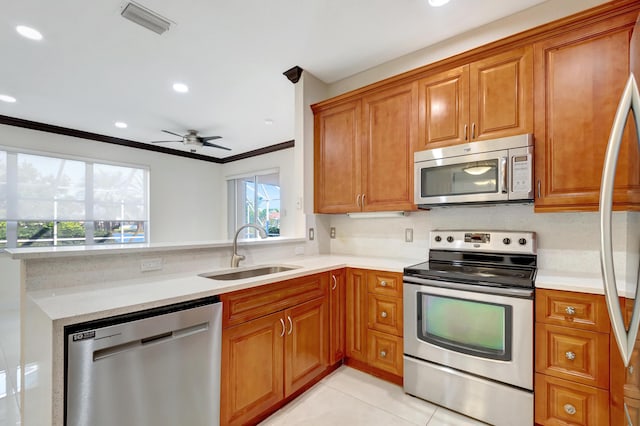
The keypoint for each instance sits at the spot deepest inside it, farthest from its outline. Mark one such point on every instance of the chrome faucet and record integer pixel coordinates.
(235, 257)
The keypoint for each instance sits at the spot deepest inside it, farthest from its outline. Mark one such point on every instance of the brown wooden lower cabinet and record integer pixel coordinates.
(268, 358)
(375, 323)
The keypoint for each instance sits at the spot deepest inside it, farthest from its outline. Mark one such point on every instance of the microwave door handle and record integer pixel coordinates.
(503, 171)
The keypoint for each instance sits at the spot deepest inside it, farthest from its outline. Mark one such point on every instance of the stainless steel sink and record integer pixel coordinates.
(248, 272)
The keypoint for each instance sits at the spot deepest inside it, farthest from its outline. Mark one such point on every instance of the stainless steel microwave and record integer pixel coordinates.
(491, 171)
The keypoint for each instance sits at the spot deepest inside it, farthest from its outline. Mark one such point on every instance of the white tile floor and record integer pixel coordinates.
(350, 397)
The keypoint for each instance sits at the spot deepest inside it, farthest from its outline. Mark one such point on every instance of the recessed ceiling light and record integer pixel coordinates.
(268, 121)
(180, 87)
(121, 124)
(436, 3)
(7, 98)
(29, 32)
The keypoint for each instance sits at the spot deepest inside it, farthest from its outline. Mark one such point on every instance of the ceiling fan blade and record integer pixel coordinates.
(213, 145)
(174, 134)
(164, 141)
(209, 138)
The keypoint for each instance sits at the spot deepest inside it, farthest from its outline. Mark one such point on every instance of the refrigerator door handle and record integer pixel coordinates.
(629, 105)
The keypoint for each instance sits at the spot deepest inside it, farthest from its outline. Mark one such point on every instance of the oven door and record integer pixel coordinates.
(462, 327)
(473, 178)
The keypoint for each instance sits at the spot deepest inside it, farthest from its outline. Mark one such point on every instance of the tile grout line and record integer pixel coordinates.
(374, 406)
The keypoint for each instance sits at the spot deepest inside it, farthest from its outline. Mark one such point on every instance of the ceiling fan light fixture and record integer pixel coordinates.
(438, 3)
(121, 124)
(145, 17)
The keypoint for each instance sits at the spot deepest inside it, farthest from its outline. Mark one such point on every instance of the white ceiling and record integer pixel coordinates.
(93, 67)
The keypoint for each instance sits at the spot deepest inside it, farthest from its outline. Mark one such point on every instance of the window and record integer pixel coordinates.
(254, 199)
(54, 201)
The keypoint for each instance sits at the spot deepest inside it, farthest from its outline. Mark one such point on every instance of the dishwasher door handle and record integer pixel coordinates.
(148, 341)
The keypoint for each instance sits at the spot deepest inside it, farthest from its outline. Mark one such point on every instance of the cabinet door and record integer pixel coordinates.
(579, 77)
(444, 109)
(306, 343)
(501, 95)
(337, 317)
(337, 158)
(390, 120)
(357, 314)
(252, 369)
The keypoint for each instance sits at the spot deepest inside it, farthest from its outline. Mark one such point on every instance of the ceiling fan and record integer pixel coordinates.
(192, 138)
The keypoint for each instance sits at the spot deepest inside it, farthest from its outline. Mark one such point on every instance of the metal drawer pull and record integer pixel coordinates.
(569, 409)
(570, 310)
(383, 314)
(383, 354)
(283, 327)
(383, 283)
(335, 282)
(290, 325)
(570, 355)
(631, 369)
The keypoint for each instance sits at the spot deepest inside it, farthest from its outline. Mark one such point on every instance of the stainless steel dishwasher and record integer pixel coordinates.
(155, 367)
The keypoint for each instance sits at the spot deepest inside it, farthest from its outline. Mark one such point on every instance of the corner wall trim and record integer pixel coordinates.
(59, 130)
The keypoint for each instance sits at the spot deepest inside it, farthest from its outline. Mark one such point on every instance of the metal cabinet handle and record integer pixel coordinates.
(363, 195)
(570, 310)
(383, 314)
(465, 131)
(383, 354)
(358, 200)
(290, 325)
(383, 283)
(539, 189)
(630, 369)
(283, 327)
(569, 409)
(473, 131)
(335, 282)
(570, 355)
(627, 415)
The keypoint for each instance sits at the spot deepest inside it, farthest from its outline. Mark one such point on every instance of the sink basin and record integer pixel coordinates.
(249, 272)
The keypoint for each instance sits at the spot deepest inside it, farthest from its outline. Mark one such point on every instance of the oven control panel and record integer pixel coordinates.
(485, 241)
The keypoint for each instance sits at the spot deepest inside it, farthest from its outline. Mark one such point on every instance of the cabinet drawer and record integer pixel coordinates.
(577, 310)
(385, 314)
(578, 355)
(561, 402)
(385, 352)
(385, 283)
(245, 305)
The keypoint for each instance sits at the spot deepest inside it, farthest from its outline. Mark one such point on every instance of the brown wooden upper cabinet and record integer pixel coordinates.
(486, 99)
(364, 152)
(579, 79)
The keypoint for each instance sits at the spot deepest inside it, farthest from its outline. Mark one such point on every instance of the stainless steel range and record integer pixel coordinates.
(468, 338)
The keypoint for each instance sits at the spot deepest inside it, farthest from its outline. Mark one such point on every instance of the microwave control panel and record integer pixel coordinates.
(521, 173)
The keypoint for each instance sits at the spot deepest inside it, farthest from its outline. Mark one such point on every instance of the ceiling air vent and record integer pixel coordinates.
(145, 17)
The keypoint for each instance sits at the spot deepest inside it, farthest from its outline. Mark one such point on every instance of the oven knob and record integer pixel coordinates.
(450, 239)
(506, 241)
(522, 241)
(438, 238)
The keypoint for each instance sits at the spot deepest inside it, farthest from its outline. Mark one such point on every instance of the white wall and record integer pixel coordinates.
(527, 19)
(185, 194)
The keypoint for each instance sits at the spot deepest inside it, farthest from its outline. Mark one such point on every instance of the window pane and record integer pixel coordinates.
(110, 232)
(256, 200)
(46, 234)
(268, 198)
(50, 188)
(3, 185)
(3, 234)
(119, 193)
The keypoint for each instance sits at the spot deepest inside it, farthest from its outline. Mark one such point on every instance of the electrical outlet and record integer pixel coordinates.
(408, 235)
(332, 232)
(154, 264)
(312, 234)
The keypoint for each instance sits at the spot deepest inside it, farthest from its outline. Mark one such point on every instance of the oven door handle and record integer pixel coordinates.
(512, 292)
